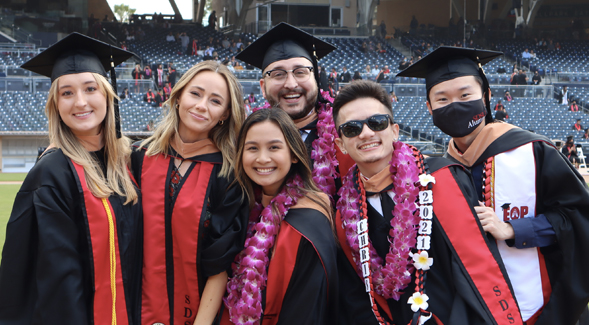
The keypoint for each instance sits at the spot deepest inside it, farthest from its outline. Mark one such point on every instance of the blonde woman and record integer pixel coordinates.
(71, 254)
(194, 221)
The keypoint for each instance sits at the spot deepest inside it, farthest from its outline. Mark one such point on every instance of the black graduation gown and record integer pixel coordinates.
(563, 197)
(47, 272)
(452, 296)
(312, 293)
(220, 233)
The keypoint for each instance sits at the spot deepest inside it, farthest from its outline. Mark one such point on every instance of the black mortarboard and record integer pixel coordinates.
(77, 53)
(447, 63)
(284, 42)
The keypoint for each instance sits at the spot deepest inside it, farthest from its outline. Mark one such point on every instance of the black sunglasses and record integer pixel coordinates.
(375, 123)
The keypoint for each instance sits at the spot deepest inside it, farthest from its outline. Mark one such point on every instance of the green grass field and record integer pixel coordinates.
(7, 195)
(12, 177)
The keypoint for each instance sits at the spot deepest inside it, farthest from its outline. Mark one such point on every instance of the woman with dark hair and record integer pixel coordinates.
(570, 151)
(357, 76)
(194, 221)
(287, 272)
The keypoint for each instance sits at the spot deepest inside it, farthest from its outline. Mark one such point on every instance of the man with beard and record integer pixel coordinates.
(532, 200)
(288, 59)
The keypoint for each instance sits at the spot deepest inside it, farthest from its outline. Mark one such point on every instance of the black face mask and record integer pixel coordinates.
(459, 119)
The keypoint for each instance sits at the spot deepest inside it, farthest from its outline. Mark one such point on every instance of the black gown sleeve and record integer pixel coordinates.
(41, 277)
(225, 225)
(563, 197)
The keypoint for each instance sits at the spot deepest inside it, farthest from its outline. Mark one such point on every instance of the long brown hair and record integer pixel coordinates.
(224, 136)
(297, 148)
(117, 179)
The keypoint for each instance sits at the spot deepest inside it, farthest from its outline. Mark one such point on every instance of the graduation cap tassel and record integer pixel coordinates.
(486, 87)
(113, 78)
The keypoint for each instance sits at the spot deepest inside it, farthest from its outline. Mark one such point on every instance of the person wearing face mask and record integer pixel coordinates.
(532, 200)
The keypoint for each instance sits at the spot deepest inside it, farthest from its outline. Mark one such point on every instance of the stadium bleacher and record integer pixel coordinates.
(22, 100)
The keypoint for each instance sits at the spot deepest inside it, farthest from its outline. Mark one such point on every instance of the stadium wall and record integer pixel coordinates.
(18, 153)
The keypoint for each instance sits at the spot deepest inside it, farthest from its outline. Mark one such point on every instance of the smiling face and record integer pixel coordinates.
(201, 105)
(266, 156)
(371, 150)
(81, 104)
(296, 98)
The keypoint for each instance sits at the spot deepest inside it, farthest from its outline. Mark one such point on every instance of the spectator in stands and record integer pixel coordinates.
(514, 77)
(184, 40)
(137, 74)
(380, 49)
(126, 93)
(149, 97)
(227, 63)
(371, 47)
(577, 126)
(521, 78)
(550, 46)
(357, 76)
(380, 76)
(570, 151)
(323, 82)
(375, 71)
(383, 29)
(413, 25)
(368, 72)
(201, 51)
(532, 54)
(147, 73)
(160, 97)
(394, 98)
(150, 126)
(345, 75)
(501, 114)
(225, 43)
(233, 47)
(564, 96)
(247, 107)
(526, 54)
(574, 106)
(364, 48)
(239, 44)
(170, 37)
(586, 134)
(386, 69)
(507, 96)
(238, 66)
(536, 79)
(332, 78)
(213, 20)
(209, 53)
(251, 98)
(166, 91)
(160, 76)
(499, 106)
(172, 74)
(403, 64)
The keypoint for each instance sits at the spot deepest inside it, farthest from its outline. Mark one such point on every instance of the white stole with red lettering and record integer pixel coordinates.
(514, 189)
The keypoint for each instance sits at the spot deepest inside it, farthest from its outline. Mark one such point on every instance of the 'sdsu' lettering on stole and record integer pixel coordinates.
(504, 305)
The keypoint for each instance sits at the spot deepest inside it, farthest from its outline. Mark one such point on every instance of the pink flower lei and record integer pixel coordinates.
(324, 152)
(389, 280)
(250, 267)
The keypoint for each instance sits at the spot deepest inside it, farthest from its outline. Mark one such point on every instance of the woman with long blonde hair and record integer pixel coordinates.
(194, 221)
(72, 251)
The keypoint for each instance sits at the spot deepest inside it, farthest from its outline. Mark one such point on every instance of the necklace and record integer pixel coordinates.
(410, 228)
(324, 152)
(250, 268)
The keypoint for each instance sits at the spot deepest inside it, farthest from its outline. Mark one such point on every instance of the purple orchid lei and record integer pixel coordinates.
(250, 267)
(324, 152)
(389, 280)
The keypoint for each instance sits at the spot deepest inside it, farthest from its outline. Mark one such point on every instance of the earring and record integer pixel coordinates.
(221, 122)
(344, 152)
(177, 106)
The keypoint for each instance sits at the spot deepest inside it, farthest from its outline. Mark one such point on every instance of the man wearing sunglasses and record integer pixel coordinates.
(532, 200)
(465, 284)
(288, 58)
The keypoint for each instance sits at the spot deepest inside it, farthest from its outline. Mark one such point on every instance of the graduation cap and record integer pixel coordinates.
(77, 53)
(447, 63)
(284, 42)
